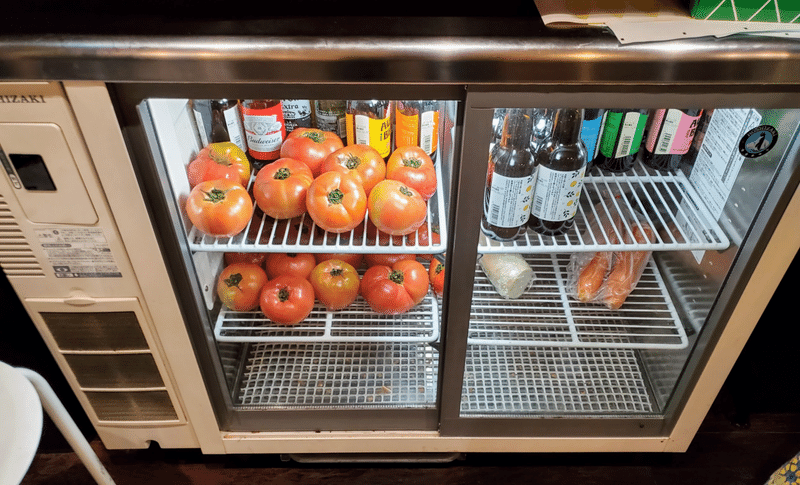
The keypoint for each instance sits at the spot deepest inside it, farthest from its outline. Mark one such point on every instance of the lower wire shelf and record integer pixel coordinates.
(546, 316)
(339, 374)
(502, 380)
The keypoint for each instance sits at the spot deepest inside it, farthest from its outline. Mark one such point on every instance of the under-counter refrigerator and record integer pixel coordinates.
(98, 242)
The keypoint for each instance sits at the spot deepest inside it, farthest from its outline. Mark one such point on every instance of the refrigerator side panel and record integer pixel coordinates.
(95, 113)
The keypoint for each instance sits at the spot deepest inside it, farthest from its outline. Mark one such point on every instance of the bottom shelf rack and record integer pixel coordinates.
(339, 374)
(503, 380)
(546, 316)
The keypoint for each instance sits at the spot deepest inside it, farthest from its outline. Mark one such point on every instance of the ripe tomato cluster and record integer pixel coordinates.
(286, 286)
(336, 185)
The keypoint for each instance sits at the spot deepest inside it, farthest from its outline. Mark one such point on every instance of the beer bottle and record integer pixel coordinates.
(296, 114)
(669, 137)
(621, 139)
(369, 122)
(560, 166)
(509, 178)
(330, 116)
(417, 124)
(264, 129)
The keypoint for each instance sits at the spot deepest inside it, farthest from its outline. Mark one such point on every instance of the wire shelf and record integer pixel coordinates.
(562, 381)
(330, 375)
(356, 323)
(302, 235)
(546, 316)
(667, 202)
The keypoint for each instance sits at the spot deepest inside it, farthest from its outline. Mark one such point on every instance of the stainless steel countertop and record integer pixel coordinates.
(447, 50)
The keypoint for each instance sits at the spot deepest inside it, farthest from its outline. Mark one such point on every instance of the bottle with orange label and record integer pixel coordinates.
(369, 122)
(417, 124)
(264, 128)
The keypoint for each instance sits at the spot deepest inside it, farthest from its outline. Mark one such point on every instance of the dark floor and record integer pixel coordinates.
(721, 454)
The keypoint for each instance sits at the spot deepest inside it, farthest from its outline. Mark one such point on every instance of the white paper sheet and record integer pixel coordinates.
(652, 20)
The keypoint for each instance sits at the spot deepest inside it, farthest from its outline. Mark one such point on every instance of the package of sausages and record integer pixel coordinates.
(608, 277)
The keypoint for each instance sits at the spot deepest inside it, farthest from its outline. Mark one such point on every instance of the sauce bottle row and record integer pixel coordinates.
(259, 126)
(538, 159)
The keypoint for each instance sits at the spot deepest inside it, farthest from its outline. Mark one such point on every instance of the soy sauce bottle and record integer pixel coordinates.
(670, 137)
(560, 166)
(623, 130)
(509, 179)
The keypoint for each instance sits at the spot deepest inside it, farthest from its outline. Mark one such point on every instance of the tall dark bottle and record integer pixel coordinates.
(669, 137)
(560, 166)
(509, 179)
(219, 120)
(623, 130)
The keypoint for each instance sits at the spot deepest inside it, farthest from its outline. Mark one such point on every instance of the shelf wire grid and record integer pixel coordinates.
(330, 375)
(545, 315)
(356, 323)
(552, 380)
(665, 201)
(303, 235)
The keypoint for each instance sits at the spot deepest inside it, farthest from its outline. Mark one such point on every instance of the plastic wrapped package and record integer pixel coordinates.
(608, 277)
(510, 274)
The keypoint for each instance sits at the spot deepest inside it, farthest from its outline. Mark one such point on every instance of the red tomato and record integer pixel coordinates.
(380, 259)
(311, 146)
(301, 265)
(423, 237)
(254, 258)
(336, 202)
(360, 161)
(353, 259)
(335, 284)
(436, 275)
(280, 188)
(222, 160)
(219, 207)
(396, 289)
(395, 208)
(412, 166)
(287, 300)
(239, 286)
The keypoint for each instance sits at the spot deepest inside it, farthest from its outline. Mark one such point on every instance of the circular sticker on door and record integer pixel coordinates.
(758, 141)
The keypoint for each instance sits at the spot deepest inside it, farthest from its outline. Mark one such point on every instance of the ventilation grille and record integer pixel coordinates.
(16, 256)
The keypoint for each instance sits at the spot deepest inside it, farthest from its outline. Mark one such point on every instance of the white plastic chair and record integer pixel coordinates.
(23, 394)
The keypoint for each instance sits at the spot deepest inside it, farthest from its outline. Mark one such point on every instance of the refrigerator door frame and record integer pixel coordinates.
(733, 326)
(129, 96)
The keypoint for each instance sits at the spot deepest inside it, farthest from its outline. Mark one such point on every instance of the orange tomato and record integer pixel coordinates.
(222, 160)
(294, 264)
(395, 289)
(220, 208)
(239, 286)
(436, 275)
(311, 146)
(280, 188)
(396, 208)
(360, 161)
(335, 283)
(336, 202)
(412, 166)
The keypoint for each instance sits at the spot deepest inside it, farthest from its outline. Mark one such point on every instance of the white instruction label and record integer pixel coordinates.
(78, 252)
(718, 160)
